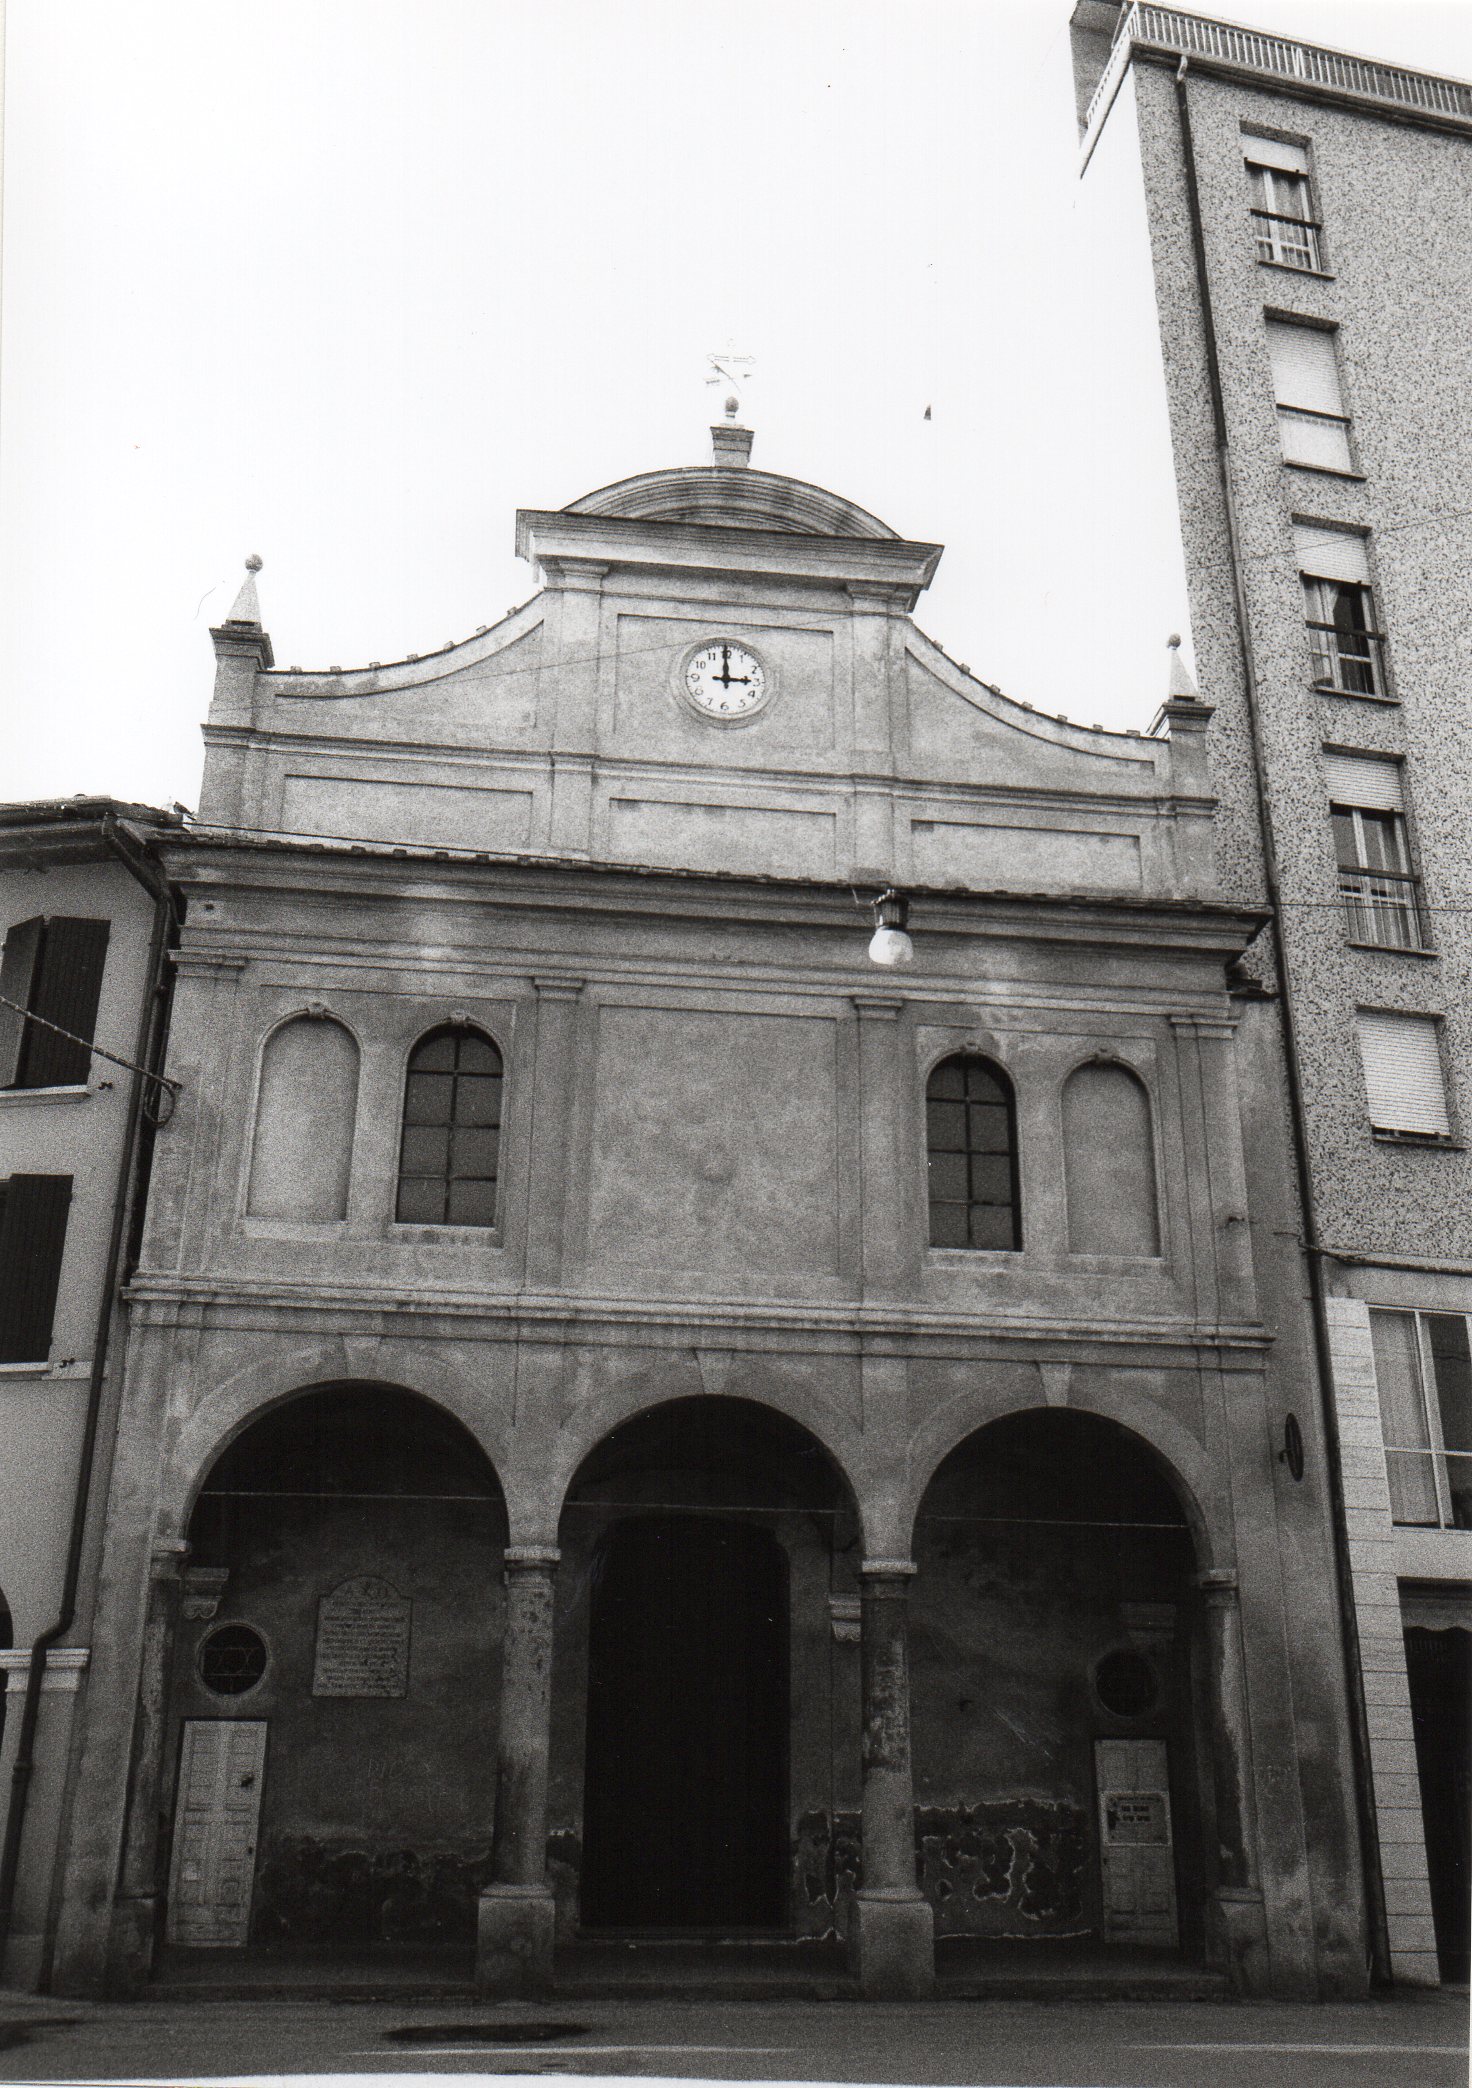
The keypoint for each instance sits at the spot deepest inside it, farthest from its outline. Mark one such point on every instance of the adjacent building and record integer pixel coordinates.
(646, 1426)
(1305, 217)
(85, 919)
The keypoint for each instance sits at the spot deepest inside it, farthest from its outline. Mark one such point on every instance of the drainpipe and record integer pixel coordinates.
(1314, 1254)
(148, 1053)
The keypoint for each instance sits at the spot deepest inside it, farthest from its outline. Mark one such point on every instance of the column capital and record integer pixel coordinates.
(167, 1557)
(887, 1569)
(879, 1007)
(1219, 1586)
(531, 1558)
(558, 989)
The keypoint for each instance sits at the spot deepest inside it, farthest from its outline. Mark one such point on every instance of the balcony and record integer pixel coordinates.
(1289, 241)
(1249, 50)
(1380, 908)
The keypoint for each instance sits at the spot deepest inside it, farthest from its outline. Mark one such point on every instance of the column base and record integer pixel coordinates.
(513, 1944)
(1238, 1918)
(891, 1946)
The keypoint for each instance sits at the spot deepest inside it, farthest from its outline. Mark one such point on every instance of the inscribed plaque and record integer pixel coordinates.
(362, 1641)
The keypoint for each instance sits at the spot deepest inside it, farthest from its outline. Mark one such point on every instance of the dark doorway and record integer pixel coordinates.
(685, 1798)
(1439, 1664)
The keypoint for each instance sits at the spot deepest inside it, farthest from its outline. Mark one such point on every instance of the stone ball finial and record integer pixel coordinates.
(733, 406)
(254, 563)
(1173, 643)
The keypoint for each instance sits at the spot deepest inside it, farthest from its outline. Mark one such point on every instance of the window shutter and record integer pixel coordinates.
(1364, 780)
(32, 1238)
(1305, 368)
(17, 975)
(67, 990)
(1271, 152)
(1403, 1072)
(1331, 554)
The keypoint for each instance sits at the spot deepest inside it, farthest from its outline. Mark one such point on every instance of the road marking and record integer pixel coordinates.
(1338, 2051)
(535, 2051)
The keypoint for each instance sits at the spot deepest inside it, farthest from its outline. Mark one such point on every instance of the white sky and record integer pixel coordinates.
(346, 282)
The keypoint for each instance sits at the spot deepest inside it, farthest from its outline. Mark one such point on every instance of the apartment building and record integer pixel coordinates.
(1305, 217)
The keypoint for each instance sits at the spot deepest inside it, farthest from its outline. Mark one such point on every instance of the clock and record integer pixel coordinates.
(724, 682)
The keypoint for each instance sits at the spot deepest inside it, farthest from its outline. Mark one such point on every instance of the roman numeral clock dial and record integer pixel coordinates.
(725, 682)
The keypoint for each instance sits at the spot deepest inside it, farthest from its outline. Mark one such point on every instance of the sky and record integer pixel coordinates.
(344, 283)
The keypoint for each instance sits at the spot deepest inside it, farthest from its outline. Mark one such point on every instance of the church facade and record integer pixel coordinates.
(642, 1424)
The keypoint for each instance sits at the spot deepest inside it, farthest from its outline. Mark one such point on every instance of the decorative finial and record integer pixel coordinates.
(1180, 685)
(733, 406)
(246, 608)
(734, 370)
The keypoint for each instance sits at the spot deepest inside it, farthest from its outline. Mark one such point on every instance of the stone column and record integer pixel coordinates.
(892, 1938)
(1241, 1930)
(517, 1912)
(140, 1885)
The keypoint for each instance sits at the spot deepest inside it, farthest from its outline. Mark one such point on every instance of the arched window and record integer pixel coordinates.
(971, 1135)
(1109, 1161)
(452, 1131)
(303, 1147)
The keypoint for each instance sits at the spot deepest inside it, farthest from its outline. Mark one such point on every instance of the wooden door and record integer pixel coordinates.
(1136, 1853)
(215, 1820)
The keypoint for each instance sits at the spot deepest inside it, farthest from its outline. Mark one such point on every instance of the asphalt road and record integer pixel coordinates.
(1419, 2041)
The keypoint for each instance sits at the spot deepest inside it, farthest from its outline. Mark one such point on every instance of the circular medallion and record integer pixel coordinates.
(724, 681)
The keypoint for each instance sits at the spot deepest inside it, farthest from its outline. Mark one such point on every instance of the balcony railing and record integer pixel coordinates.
(1198, 36)
(1380, 907)
(1291, 242)
(1351, 663)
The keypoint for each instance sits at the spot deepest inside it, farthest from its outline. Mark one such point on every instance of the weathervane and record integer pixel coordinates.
(727, 367)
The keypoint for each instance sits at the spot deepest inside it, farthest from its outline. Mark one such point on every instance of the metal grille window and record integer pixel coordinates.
(1345, 644)
(1371, 851)
(452, 1131)
(1282, 215)
(232, 1660)
(972, 1142)
(51, 968)
(1312, 422)
(1423, 1368)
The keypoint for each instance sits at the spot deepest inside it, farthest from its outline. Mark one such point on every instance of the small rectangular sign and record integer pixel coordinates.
(362, 1641)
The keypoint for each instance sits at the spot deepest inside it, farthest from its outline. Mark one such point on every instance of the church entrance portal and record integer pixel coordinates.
(685, 1801)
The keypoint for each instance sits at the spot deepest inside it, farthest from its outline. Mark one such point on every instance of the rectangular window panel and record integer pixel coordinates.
(991, 1226)
(475, 1153)
(946, 1126)
(421, 1202)
(1342, 637)
(948, 1177)
(1311, 416)
(480, 1102)
(1403, 1077)
(1332, 554)
(948, 1225)
(1409, 1458)
(1451, 1364)
(67, 988)
(32, 1241)
(472, 1203)
(17, 977)
(427, 1098)
(426, 1150)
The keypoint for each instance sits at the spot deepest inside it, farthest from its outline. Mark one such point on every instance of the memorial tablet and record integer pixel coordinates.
(362, 1641)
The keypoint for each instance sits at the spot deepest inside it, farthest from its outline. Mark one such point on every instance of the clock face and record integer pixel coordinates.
(725, 681)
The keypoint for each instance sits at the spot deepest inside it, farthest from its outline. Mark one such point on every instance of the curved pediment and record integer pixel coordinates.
(732, 499)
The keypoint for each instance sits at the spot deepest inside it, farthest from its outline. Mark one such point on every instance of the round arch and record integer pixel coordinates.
(1175, 1451)
(287, 1373)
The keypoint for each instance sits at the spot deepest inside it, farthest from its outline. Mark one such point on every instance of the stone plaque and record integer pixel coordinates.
(362, 1641)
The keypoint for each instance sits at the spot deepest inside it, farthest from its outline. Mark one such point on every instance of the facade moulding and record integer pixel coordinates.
(557, 1319)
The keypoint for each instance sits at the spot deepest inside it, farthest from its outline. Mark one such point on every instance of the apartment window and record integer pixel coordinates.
(452, 1131)
(1423, 1367)
(1339, 607)
(1313, 426)
(51, 968)
(1282, 204)
(1403, 1076)
(33, 1211)
(972, 1142)
(1375, 876)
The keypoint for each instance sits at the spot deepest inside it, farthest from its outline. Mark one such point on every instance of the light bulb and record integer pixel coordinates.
(891, 947)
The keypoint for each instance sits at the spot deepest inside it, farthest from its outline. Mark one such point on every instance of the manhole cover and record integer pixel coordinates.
(484, 2033)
